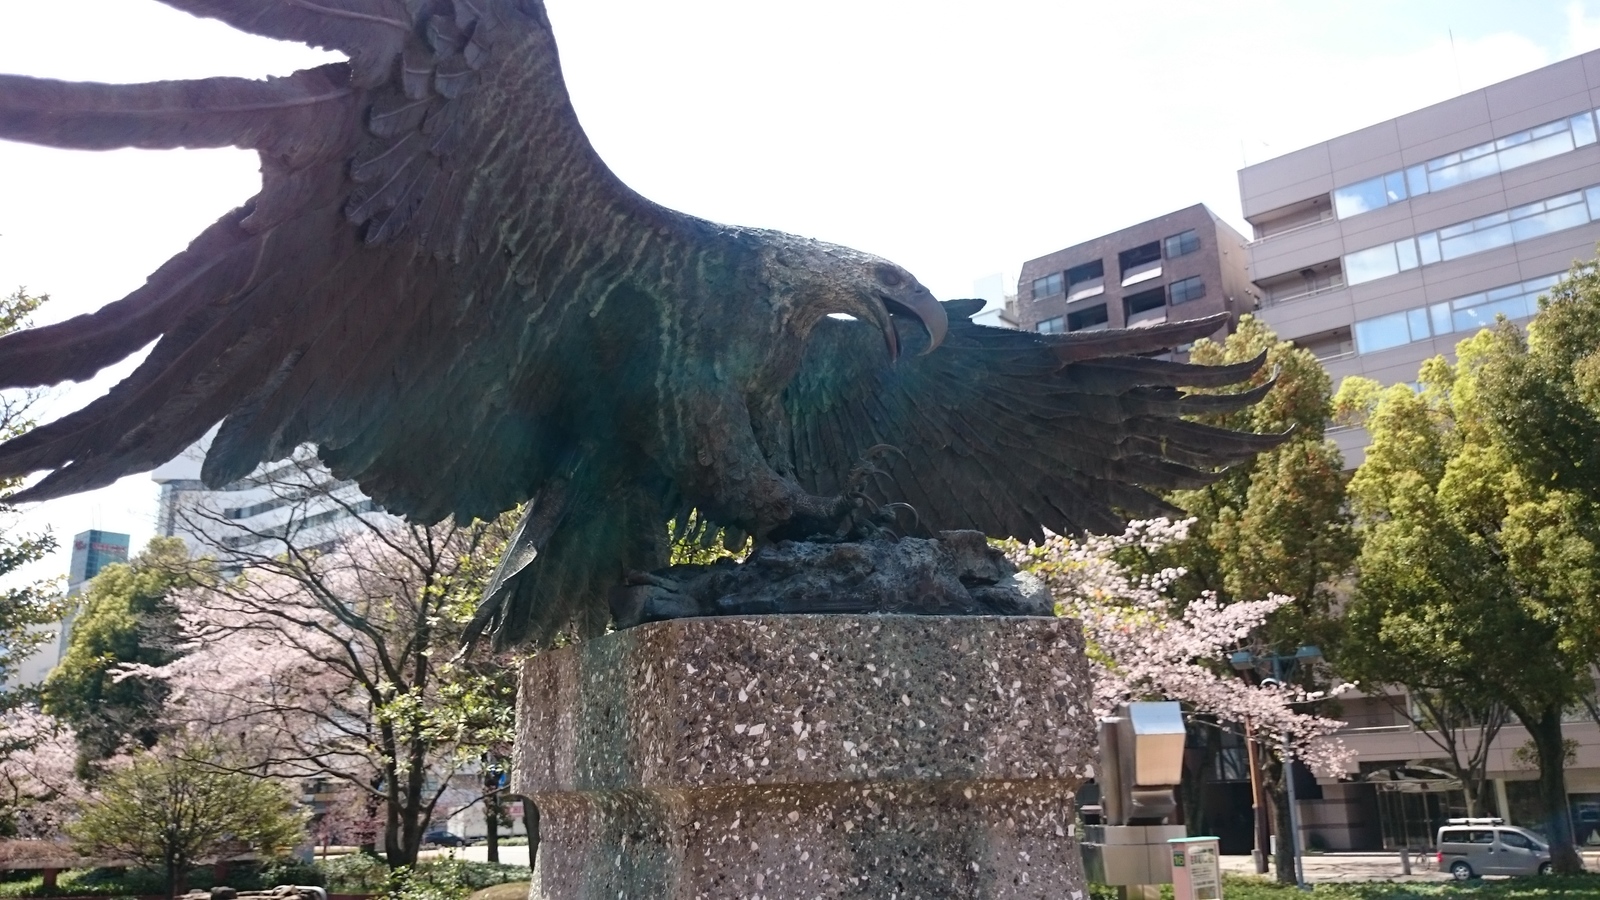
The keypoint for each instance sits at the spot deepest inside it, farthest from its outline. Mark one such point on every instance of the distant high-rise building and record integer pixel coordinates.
(92, 551)
(292, 500)
(1184, 265)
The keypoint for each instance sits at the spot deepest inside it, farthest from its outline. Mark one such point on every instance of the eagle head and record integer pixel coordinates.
(813, 280)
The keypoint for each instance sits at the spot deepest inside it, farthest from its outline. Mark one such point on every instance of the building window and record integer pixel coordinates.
(1471, 164)
(1086, 280)
(1462, 314)
(1052, 326)
(1048, 286)
(1500, 229)
(1093, 318)
(1183, 244)
(1139, 256)
(1144, 301)
(1187, 289)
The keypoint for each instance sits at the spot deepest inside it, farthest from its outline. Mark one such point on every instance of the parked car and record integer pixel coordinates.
(442, 838)
(1469, 848)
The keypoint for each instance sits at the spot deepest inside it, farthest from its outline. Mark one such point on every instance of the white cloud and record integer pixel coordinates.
(1583, 32)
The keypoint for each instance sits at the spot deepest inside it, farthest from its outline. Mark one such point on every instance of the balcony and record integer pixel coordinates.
(1307, 213)
(1312, 281)
(1329, 346)
(1148, 318)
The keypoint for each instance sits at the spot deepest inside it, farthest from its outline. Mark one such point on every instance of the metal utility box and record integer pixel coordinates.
(1141, 762)
(1196, 869)
(1129, 854)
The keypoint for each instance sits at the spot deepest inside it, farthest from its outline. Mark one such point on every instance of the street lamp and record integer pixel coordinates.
(1245, 661)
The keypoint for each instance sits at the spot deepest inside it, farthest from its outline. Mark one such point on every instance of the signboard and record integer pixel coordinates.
(1196, 869)
(514, 809)
(1205, 875)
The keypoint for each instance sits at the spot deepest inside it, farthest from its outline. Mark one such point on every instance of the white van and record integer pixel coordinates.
(1472, 847)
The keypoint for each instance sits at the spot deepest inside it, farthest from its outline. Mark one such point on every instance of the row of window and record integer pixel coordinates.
(1475, 236)
(1138, 264)
(309, 522)
(1471, 164)
(1463, 314)
(1182, 291)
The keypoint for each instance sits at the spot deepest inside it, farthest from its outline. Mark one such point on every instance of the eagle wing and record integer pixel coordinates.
(375, 296)
(1007, 432)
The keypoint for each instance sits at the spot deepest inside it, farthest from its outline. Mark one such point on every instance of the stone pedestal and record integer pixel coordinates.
(800, 757)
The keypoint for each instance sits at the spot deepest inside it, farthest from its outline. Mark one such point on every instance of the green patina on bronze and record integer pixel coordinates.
(444, 288)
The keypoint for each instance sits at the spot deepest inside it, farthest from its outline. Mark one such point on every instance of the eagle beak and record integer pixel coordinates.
(927, 310)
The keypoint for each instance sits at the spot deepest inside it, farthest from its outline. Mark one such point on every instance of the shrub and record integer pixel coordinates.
(355, 873)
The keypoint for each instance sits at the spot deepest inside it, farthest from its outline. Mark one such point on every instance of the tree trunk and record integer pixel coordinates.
(491, 824)
(1199, 761)
(1469, 793)
(1283, 859)
(172, 876)
(1552, 751)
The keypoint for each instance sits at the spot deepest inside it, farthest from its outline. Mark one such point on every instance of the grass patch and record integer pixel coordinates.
(353, 874)
(1574, 887)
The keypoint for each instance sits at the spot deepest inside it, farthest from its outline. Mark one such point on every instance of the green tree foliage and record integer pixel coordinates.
(1274, 525)
(169, 809)
(1277, 524)
(126, 618)
(26, 611)
(1479, 565)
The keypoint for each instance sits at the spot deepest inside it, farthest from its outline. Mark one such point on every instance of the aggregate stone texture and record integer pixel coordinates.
(958, 573)
(799, 757)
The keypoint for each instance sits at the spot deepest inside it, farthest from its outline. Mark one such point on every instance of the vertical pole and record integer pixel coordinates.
(1258, 804)
(1294, 809)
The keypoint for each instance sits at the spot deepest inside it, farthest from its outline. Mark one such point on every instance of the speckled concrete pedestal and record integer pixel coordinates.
(801, 757)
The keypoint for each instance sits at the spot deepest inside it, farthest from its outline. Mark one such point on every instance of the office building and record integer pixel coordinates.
(1184, 265)
(92, 551)
(1384, 247)
(1381, 248)
(293, 500)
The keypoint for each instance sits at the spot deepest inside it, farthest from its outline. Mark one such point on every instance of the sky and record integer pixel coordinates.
(957, 139)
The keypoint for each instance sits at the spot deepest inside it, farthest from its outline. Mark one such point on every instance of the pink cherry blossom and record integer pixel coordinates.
(1142, 648)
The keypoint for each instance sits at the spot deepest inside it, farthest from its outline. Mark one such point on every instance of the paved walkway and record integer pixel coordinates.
(1329, 867)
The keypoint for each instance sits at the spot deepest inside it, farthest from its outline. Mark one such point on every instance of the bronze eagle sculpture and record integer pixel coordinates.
(444, 288)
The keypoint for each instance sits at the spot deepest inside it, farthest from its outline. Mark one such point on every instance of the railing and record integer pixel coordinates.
(1402, 728)
(1326, 216)
(1272, 298)
(1148, 317)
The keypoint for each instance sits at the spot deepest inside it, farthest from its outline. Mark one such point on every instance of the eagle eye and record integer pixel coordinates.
(888, 277)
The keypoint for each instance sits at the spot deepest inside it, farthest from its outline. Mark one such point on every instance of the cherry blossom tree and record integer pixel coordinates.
(1142, 648)
(38, 781)
(335, 659)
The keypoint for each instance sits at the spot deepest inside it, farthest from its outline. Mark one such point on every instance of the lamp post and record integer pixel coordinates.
(1244, 661)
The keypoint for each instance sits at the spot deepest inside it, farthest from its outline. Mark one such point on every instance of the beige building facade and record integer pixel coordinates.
(1384, 247)
(1187, 264)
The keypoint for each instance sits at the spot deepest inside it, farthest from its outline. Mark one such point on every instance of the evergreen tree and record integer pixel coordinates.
(1479, 566)
(169, 809)
(127, 618)
(26, 611)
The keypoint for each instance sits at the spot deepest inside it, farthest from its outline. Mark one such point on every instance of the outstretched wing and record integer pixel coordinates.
(1006, 431)
(385, 295)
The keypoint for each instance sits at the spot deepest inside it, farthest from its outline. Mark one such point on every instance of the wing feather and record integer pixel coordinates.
(1010, 432)
(367, 300)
